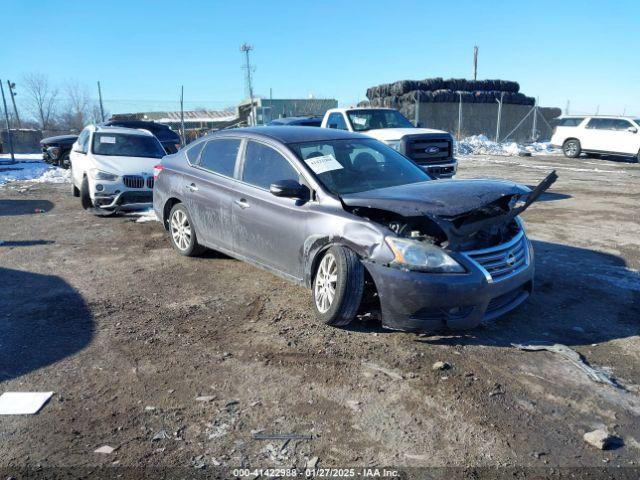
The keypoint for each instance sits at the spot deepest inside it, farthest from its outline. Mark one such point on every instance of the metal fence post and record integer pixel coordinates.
(416, 112)
(499, 117)
(459, 116)
(534, 124)
(6, 118)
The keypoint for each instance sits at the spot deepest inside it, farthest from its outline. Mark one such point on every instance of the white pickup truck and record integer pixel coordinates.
(431, 149)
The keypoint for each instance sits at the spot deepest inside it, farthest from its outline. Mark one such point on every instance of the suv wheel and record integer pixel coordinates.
(337, 286)
(572, 148)
(85, 197)
(183, 235)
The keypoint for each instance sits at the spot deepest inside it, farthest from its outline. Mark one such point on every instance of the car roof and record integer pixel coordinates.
(291, 134)
(123, 130)
(288, 120)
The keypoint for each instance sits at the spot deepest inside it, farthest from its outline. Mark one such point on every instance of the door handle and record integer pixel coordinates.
(192, 187)
(242, 203)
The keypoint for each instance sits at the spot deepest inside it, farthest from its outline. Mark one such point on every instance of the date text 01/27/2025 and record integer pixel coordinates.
(316, 472)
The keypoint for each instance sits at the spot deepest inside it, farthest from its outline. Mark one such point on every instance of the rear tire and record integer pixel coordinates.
(337, 286)
(572, 148)
(182, 233)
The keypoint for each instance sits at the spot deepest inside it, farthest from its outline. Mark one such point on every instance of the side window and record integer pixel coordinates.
(83, 141)
(620, 124)
(599, 124)
(336, 120)
(264, 166)
(194, 152)
(219, 156)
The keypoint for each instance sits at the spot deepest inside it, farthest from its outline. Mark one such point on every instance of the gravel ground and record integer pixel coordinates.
(178, 362)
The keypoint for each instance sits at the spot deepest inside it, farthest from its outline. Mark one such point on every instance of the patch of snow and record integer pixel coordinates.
(30, 168)
(144, 216)
(481, 145)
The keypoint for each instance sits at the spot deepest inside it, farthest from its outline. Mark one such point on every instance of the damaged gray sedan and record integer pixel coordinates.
(355, 222)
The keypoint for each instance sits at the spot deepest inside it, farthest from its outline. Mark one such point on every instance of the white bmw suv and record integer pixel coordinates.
(597, 136)
(112, 168)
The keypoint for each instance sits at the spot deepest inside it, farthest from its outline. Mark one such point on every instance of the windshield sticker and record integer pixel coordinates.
(359, 120)
(107, 139)
(325, 163)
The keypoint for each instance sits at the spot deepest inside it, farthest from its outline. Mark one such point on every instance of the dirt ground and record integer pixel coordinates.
(179, 362)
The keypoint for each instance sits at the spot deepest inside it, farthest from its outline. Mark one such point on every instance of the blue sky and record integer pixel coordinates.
(142, 51)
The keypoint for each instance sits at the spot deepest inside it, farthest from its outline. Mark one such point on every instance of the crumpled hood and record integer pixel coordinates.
(386, 134)
(446, 198)
(125, 165)
(461, 208)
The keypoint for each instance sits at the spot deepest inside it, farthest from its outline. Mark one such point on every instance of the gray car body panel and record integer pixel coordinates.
(288, 236)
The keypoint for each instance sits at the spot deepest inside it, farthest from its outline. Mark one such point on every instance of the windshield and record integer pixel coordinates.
(357, 165)
(118, 144)
(368, 119)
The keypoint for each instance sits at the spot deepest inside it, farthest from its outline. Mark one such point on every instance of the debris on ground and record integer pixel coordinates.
(441, 366)
(23, 403)
(390, 373)
(601, 439)
(481, 145)
(312, 462)
(104, 449)
(161, 435)
(574, 357)
(206, 398)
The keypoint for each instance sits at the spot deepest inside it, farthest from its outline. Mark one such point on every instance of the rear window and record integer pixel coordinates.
(119, 144)
(569, 122)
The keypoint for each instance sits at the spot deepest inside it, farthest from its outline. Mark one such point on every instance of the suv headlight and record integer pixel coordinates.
(101, 175)
(395, 144)
(414, 255)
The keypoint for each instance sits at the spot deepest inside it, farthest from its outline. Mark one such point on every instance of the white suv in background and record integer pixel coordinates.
(598, 136)
(112, 168)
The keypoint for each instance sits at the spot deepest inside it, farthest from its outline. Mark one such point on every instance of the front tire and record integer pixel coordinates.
(337, 286)
(181, 231)
(85, 197)
(572, 148)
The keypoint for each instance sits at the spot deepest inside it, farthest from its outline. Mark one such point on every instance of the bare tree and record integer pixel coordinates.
(41, 98)
(77, 106)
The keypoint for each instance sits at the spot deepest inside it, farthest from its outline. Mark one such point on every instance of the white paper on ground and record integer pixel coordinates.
(23, 403)
(322, 164)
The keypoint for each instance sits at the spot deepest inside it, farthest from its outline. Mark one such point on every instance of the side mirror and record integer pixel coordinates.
(288, 189)
(632, 130)
(419, 125)
(76, 148)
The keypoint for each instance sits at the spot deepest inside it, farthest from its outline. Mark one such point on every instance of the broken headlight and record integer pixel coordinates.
(415, 255)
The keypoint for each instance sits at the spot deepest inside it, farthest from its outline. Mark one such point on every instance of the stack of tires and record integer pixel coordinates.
(403, 94)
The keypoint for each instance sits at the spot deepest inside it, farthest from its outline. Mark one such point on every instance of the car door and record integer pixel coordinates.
(208, 187)
(78, 156)
(269, 230)
(624, 136)
(597, 135)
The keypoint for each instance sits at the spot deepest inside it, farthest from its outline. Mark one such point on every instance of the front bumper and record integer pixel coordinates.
(444, 170)
(418, 301)
(127, 200)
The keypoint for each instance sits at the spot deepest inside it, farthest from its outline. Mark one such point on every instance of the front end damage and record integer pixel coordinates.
(476, 223)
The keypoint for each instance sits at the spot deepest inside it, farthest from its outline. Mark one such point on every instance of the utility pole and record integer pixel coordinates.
(100, 97)
(184, 139)
(13, 94)
(6, 118)
(246, 48)
(475, 62)
(459, 115)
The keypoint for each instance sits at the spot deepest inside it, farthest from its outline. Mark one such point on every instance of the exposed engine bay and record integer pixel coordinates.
(486, 225)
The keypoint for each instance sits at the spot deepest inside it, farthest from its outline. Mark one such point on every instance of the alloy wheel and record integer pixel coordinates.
(571, 148)
(180, 230)
(325, 284)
